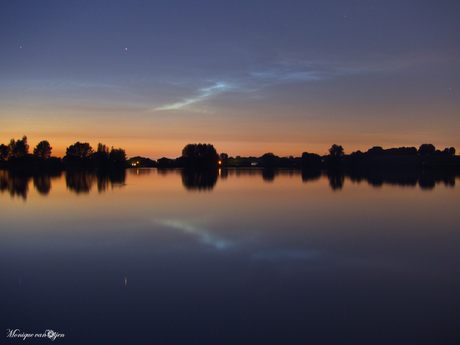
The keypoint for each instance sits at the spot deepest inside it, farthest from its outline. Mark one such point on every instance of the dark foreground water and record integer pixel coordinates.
(239, 257)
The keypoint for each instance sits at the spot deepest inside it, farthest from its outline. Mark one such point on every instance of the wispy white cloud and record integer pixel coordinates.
(260, 78)
(203, 94)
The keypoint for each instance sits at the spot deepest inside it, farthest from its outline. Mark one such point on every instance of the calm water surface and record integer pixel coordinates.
(242, 257)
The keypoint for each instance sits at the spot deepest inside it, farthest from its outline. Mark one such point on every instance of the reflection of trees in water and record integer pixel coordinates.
(310, 174)
(336, 179)
(15, 184)
(194, 179)
(268, 174)
(82, 181)
(42, 183)
(376, 178)
(425, 179)
(428, 180)
(79, 181)
(3, 180)
(111, 178)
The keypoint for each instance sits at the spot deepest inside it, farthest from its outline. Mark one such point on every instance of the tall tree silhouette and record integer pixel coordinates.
(101, 156)
(43, 150)
(4, 152)
(117, 158)
(18, 148)
(200, 155)
(336, 153)
(79, 154)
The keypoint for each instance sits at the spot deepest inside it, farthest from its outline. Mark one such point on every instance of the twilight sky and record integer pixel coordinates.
(248, 76)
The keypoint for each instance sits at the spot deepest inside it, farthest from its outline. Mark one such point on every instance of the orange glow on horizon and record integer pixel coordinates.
(156, 148)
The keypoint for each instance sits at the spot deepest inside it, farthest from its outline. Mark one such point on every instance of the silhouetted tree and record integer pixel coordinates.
(200, 155)
(375, 151)
(310, 160)
(79, 154)
(336, 153)
(268, 160)
(43, 150)
(223, 159)
(101, 156)
(401, 151)
(117, 158)
(79, 150)
(165, 162)
(426, 149)
(4, 152)
(449, 151)
(18, 148)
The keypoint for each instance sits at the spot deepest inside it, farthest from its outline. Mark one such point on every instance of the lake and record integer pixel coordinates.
(230, 257)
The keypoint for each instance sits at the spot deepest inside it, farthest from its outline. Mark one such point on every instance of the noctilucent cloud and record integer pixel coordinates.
(250, 77)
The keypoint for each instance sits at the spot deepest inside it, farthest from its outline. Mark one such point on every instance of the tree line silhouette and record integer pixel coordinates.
(199, 156)
(16, 156)
(81, 155)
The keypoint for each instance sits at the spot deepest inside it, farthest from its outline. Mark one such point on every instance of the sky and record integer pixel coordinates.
(249, 77)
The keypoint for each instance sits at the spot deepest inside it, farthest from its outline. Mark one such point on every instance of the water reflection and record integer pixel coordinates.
(282, 262)
(336, 179)
(201, 180)
(309, 175)
(43, 184)
(268, 174)
(16, 184)
(203, 235)
(109, 179)
(81, 182)
(425, 179)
